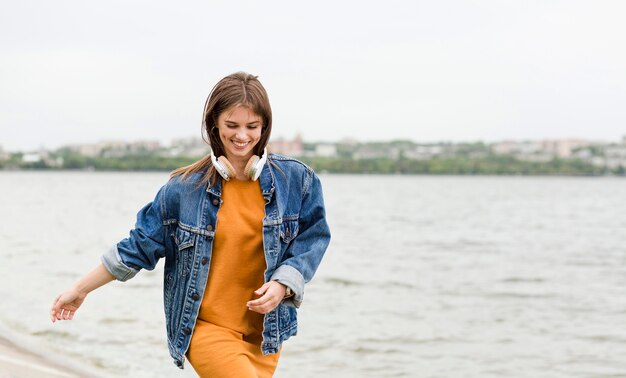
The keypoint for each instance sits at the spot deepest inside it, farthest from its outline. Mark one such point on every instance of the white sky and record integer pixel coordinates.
(80, 71)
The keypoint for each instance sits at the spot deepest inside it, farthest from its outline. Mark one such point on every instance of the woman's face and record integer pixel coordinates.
(240, 131)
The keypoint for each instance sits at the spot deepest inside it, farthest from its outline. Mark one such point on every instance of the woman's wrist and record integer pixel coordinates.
(288, 292)
(80, 289)
(93, 280)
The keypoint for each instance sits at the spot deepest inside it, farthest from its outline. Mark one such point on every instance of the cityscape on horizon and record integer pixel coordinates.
(609, 156)
(280, 140)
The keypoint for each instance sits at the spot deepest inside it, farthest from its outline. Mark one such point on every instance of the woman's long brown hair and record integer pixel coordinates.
(238, 89)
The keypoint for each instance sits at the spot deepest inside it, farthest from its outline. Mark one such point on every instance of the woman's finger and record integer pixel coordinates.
(262, 289)
(54, 302)
(264, 307)
(259, 301)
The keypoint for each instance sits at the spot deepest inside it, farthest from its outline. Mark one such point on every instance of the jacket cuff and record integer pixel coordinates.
(113, 263)
(290, 276)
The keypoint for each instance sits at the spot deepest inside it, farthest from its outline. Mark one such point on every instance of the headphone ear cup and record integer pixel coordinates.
(227, 167)
(249, 170)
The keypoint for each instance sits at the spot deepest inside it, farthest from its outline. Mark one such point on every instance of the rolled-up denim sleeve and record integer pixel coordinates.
(306, 250)
(145, 245)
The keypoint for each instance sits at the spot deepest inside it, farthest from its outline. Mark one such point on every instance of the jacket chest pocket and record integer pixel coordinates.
(185, 242)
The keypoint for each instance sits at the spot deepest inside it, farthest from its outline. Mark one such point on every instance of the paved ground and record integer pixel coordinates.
(16, 362)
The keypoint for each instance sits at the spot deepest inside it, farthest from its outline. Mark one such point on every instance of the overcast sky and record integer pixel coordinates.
(83, 71)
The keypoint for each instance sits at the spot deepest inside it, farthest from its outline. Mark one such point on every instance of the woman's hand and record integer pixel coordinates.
(272, 293)
(65, 305)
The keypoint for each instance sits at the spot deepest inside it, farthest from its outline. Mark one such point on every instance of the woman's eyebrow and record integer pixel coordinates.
(235, 123)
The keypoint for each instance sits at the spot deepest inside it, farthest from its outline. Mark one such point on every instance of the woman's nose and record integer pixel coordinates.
(241, 134)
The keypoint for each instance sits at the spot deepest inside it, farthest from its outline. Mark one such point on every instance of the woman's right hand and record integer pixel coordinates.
(65, 305)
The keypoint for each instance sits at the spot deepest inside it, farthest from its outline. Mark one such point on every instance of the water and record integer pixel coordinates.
(425, 277)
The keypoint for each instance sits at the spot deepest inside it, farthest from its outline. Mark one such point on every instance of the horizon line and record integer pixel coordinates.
(167, 142)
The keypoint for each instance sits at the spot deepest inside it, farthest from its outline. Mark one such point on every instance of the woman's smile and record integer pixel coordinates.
(240, 145)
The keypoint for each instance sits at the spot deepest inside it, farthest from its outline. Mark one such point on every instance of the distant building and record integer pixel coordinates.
(537, 158)
(598, 161)
(3, 155)
(325, 150)
(32, 157)
(186, 142)
(89, 150)
(193, 146)
(42, 156)
(612, 163)
(563, 147)
(505, 148)
(146, 145)
(365, 152)
(583, 154)
(517, 148)
(423, 152)
(615, 156)
(282, 146)
(349, 142)
(115, 148)
(616, 151)
(539, 151)
(96, 149)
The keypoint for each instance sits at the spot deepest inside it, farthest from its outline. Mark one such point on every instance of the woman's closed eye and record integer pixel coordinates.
(233, 126)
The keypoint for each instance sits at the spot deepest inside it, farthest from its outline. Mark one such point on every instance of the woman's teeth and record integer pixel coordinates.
(239, 144)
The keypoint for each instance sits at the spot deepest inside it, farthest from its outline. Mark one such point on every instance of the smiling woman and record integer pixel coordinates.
(240, 131)
(231, 288)
(237, 121)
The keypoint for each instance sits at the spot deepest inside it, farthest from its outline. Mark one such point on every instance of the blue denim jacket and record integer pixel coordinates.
(180, 225)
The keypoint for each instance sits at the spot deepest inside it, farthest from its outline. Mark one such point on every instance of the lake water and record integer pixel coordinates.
(425, 277)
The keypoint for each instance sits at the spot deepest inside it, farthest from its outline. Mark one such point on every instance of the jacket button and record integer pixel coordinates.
(186, 331)
(209, 227)
(216, 202)
(204, 261)
(195, 296)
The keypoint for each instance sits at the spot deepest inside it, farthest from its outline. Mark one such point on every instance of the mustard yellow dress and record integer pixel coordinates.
(226, 340)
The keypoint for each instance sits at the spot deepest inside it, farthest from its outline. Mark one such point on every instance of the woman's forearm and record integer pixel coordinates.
(91, 281)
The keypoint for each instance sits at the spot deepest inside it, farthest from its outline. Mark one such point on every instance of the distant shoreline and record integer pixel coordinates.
(561, 157)
(323, 171)
(490, 165)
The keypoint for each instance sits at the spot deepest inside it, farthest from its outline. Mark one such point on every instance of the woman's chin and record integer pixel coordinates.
(239, 155)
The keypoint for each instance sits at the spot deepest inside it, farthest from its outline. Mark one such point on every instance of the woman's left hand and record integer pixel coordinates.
(272, 293)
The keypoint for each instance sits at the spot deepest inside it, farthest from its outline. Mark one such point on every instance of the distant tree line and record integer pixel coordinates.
(458, 165)
(490, 165)
(142, 161)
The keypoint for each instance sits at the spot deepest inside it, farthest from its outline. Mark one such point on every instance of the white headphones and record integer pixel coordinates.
(252, 170)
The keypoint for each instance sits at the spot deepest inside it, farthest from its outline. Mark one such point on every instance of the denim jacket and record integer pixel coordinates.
(180, 226)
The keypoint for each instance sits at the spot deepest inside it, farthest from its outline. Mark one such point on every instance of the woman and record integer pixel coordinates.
(241, 232)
